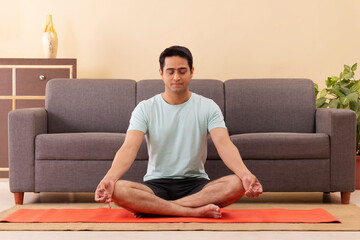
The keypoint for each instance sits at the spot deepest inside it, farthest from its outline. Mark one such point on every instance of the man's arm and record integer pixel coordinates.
(124, 158)
(232, 159)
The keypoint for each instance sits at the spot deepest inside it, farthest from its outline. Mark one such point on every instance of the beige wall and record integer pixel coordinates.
(228, 38)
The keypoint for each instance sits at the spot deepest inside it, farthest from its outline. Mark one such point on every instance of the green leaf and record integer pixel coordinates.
(353, 97)
(336, 91)
(354, 67)
(348, 75)
(354, 106)
(323, 93)
(355, 87)
(333, 103)
(334, 79)
(346, 68)
(328, 82)
(316, 93)
(344, 82)
(316, 89)
(345, 90)
(344, 101)
(320, 102)
(316, 86)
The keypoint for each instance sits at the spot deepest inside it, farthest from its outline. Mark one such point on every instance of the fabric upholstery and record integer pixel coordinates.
(24, 126)
(81, 146)
(146, 89)
(282, 145)
(340, 125)
(310, 175)
(277, 146)
(78, 176)
(270, 105)
(295, 175)
(89, 105)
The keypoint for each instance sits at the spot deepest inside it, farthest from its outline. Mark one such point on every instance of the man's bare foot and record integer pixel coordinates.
(209, 211)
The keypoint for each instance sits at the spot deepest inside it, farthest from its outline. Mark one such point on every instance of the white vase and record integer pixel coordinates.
(50, 39)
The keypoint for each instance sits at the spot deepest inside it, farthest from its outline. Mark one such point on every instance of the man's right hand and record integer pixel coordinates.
(123, 159)
(105, 190)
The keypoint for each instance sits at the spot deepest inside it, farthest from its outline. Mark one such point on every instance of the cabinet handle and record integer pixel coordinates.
(42, 77)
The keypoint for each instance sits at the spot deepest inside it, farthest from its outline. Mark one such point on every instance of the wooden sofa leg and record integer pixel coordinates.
(19, 198)
(345, 197)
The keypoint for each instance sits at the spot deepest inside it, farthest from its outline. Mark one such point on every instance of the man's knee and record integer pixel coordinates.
(234, 185)
(233, 190)
(124, 189)
(121, 188)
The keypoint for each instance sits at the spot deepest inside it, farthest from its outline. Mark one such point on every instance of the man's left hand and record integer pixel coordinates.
(251, 185)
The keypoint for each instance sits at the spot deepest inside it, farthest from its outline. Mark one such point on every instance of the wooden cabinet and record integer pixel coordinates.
(22, 85)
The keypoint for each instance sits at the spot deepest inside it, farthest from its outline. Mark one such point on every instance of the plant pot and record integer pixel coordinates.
(357, 172)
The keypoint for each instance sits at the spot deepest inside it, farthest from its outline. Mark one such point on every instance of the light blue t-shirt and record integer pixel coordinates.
(176, 135)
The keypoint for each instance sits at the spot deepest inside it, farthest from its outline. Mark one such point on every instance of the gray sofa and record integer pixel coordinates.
(284, 140)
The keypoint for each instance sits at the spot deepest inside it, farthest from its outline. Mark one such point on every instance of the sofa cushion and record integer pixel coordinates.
(78, 176)
(81, 146)
(89, 105)
(269, 105)
(210, 88)
(288, 146)
(294, 175)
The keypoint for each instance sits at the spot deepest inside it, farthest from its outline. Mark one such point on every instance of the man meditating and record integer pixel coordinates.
(176, 124)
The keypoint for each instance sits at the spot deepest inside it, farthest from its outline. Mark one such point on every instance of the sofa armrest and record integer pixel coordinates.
(340, 125)
(24, 125)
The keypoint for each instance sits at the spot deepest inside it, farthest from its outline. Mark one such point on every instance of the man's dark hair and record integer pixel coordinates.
(176, 51)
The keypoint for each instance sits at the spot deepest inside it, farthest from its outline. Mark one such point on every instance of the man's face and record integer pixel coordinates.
(176, 74)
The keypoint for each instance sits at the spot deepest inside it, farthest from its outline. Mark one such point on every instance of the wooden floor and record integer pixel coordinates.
(6, 201)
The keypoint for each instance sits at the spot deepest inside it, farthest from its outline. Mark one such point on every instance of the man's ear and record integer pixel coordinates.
(161, 72)
(192, 71)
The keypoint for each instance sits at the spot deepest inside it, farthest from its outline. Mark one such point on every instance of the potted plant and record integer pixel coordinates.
(343, 92)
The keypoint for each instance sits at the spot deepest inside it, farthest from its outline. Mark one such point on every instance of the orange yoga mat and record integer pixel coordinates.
(107, 215)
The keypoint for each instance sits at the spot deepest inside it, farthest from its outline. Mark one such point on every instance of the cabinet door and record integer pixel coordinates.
(5, 81)
(5, 108)
(29, 82)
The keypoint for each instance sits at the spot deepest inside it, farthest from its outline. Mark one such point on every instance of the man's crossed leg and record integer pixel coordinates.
(141, 199)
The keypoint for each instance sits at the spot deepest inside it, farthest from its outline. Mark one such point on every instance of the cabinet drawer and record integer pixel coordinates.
(29, 83)
(6, 81)
(30, 103)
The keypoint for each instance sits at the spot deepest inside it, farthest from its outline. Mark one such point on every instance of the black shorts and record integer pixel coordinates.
(172, 189)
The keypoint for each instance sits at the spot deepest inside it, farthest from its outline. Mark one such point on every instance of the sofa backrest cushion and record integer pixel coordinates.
(210, 88)
(89, 105)
(269, 105)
